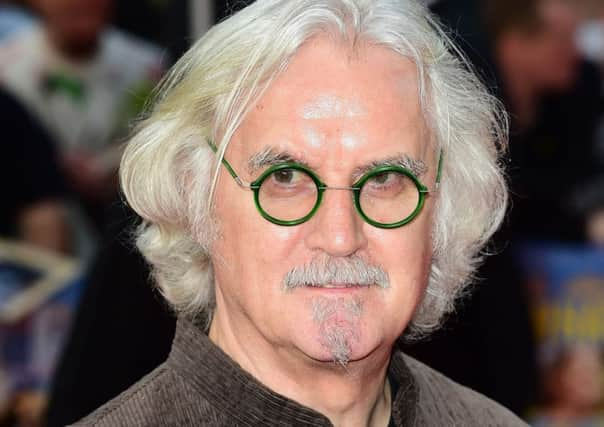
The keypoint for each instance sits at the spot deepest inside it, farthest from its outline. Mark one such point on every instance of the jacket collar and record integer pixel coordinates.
(236, 393)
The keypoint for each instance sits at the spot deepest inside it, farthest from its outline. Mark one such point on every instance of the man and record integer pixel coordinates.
(32, 208)
(32, 211)
(535, 51)
(555, 100)
(12, 18)
(308, 199)
(83, 81)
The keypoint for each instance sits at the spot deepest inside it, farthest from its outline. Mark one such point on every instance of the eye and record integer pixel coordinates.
(287, 176)
(289, 179)
(387, 184)
(287, 182)
(386, 179)
(382, 178)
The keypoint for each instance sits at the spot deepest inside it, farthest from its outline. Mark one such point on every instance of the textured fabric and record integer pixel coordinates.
(199, 385)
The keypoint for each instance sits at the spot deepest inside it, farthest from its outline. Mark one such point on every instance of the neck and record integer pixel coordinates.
(357, 394)
(82, 51)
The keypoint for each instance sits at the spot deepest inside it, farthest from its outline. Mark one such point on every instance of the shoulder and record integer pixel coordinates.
(119, 44)
(20, 50)
(21, 58)
(160, 398)
(145, 64)
(445, 402)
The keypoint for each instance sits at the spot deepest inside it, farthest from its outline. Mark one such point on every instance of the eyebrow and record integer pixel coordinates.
(268, 156)
(416, 166)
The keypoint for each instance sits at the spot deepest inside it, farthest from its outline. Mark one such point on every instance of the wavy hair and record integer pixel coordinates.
(168, 173)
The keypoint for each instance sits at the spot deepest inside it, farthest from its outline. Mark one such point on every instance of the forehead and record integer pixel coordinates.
(335, 93)
(558, 13)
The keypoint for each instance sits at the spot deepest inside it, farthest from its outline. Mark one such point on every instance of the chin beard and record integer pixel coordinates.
(338, 322)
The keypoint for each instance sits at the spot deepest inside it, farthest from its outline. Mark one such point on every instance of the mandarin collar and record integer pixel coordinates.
(227, 387)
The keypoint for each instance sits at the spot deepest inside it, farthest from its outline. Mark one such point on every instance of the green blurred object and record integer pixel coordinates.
(58, 82)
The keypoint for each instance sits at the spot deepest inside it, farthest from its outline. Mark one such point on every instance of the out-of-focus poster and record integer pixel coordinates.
(566, 287)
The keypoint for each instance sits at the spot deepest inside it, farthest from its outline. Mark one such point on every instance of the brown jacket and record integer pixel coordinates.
(199, 385)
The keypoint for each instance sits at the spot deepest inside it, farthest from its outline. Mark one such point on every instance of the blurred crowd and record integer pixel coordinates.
(74, 75)
(70, 84)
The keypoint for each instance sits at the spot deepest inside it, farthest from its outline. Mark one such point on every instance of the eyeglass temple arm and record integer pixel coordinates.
(232, 172)
(439, 168)
(227, 165)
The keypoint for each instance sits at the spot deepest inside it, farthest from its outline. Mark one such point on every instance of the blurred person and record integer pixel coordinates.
(589, 196)
(119, 309)
(118, 303)
(573, 386)
(290, 307)
(555, 100)
(83, 81)
(535, 51)
(525, 51)
(33, 211)
(32, 207)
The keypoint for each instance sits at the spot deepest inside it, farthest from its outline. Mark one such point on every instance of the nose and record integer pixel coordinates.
(336, 228)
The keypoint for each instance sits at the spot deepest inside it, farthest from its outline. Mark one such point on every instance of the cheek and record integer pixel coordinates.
(410, 244)
(406, 255)
(273, 245)
(252, 246)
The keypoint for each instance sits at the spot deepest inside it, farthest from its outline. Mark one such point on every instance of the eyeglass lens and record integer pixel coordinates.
(386, 197)
(288, 194)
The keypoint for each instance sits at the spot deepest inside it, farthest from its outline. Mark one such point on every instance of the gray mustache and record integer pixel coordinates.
(323, 271)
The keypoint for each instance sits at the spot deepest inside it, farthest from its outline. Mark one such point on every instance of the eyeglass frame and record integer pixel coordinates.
(321, 187)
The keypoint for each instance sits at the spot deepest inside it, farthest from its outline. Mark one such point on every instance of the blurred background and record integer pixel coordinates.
(79, 318)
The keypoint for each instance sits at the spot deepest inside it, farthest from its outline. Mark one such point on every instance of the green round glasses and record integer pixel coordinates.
(288, 193)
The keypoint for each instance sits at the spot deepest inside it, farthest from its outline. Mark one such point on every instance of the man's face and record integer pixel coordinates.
(552, 56)
(75, 22)
(337, 111)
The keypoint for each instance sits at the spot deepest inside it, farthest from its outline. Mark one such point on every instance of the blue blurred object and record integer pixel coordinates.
(566, 283)
(558, 265)
(29, 348)
(15, 278)
(13, 19)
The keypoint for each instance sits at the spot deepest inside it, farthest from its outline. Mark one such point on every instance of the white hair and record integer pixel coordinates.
(168, 172)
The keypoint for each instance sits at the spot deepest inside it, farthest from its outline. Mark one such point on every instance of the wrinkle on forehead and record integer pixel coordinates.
(330, 107)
